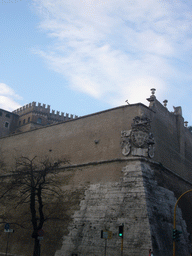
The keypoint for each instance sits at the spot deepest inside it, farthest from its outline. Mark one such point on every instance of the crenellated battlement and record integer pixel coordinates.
(31, 107)
(41, 108)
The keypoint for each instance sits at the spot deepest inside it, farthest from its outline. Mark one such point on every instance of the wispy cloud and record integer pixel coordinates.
(8, 98)
(114, 50)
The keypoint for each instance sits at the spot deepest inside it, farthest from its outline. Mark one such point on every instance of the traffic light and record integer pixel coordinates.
(178, 233)
(121, 231)
(174, 234)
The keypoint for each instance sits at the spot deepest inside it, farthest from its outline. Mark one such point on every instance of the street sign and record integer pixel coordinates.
(7, 226)
(40, 234)
(106, 234)
(8, 230)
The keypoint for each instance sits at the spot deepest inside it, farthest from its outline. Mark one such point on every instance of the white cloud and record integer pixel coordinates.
(114, 50)
(8, 98)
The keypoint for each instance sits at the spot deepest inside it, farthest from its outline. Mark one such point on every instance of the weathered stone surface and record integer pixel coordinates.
(105, 207)
(160, 206)
(145, 208)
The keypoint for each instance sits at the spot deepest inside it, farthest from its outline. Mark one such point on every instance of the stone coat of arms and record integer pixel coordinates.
(138, 141)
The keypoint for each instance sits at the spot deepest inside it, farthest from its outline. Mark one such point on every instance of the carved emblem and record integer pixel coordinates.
(139, 138)
(126, 142)
(138, 141)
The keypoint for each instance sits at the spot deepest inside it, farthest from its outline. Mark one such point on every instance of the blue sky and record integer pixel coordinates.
(84, 56)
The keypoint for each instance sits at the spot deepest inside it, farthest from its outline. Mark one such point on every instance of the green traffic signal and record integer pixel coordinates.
(176, 234)
(121, 231)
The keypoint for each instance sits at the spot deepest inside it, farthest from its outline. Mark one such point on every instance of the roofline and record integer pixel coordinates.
(1, 109)
(74, 119)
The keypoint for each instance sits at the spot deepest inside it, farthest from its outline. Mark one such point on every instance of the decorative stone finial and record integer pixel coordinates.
(153, 91)
(152, 97)
(186, 123)
(165, 103)
(177, 111)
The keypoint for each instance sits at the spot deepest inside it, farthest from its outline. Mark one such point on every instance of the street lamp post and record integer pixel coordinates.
(174, 218)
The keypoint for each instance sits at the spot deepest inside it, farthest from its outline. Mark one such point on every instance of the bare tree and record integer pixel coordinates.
(33, 182)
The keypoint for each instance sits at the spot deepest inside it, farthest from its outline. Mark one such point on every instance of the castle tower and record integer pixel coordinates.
(32, 116)
(8, 122)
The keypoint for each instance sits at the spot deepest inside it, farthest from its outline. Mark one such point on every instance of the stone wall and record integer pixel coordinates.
(105, 188)
(105, 206)
(173, 141)
(102, 197)
(8, 122)
(97, 137)
(161, 200)
(91, 138)
(135, 199)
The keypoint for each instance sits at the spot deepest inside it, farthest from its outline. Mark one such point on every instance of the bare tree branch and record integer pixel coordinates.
(31, 183)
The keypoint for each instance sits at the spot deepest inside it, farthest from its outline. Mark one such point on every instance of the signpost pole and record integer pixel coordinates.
(39, 248)
(7, 244)
(105, 246)
(40, 237)
(122, 246)
(122, 239)
(7, 230)
(106, 234)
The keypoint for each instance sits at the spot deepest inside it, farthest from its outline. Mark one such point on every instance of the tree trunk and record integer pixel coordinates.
(36, 251)
(41, 215)
(33, 216)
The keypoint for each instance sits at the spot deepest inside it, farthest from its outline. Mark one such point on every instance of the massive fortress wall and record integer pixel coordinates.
(97, 137)
(92, 138)
(116, 178)
(173, 140)
(138, 193)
